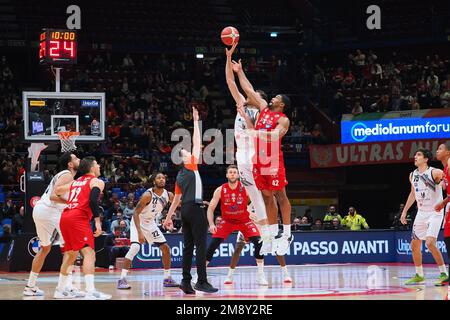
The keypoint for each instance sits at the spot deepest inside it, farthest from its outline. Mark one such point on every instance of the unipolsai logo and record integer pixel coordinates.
(404, 247)
(33, 246)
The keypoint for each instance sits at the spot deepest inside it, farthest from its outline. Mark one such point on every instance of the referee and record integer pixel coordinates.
(193, 217)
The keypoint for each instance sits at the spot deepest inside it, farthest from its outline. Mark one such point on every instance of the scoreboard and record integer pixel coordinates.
(57, 47)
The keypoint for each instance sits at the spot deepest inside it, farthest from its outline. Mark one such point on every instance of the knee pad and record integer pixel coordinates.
(134, 249)
(258, 244)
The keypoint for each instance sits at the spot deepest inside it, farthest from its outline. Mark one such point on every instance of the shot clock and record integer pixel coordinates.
(57, 46)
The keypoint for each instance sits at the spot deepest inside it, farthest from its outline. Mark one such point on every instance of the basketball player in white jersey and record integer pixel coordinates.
(143, 227)
(426, 190)
(46, 216)
(245, 153)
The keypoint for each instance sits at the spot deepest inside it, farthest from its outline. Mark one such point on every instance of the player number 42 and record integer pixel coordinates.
(275, 183)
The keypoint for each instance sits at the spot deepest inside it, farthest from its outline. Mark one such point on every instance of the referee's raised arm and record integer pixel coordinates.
(189, 187)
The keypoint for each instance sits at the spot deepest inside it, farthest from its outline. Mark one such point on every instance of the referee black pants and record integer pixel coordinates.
(195, 230)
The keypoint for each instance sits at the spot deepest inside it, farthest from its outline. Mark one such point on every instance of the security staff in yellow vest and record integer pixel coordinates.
(354, 221)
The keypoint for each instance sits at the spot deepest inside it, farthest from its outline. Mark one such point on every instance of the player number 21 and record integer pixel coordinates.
(73, 197)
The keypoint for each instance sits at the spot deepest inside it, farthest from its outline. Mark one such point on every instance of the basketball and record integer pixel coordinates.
(230, 36)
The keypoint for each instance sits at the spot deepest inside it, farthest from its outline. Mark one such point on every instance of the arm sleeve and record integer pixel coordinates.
(177, 189)
(93, 201)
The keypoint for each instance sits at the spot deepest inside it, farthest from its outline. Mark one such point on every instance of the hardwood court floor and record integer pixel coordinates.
(337, 281)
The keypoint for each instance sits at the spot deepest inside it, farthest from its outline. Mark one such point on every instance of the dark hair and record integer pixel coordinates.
(286, 100)
(426, 153)
(64, 160)
(86, 165)
(232, 166)
(447, 145)
(262, 94)
(154, 175)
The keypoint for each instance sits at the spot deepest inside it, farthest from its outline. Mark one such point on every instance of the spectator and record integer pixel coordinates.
(116, 223)
(123, 203)
(394, 218)
(129, 210)
(318, 225)
(335, 224)
(117, 244)
(354, 221)
(296, 225)
(308, 216)
(331, 214)
(17, 221)
(349, 81)
(9, 210)
(218, 220)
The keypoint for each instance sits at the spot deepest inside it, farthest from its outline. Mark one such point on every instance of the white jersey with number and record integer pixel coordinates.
(155, 206)
(45, 198)
(428, 193)
(245, 144)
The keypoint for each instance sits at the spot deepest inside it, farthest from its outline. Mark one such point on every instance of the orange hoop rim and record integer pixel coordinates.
(66, 135)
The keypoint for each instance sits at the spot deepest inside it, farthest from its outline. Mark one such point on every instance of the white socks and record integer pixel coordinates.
(443, 269)
(265, 231)
(124, 273)
(62, 282)
(287, 230)
(260, 265)
(32, 279)
(274, 229)
(89, 280)
(419, 271)
(284, 270)
(166, 273)
(230, 272)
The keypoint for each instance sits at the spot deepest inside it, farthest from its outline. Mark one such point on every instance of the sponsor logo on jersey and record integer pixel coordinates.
(34, 200)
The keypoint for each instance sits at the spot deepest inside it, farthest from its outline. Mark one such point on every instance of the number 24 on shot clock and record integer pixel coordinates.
(57, 46)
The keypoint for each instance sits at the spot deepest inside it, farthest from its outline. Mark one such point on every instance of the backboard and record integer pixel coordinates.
(47, 113)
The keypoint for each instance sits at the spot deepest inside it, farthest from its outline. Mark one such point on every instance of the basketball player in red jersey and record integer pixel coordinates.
(82, 205)
(234, 199)
(269, 171)
(443, 155)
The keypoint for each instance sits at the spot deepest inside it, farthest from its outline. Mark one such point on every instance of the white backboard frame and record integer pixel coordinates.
(63, 95)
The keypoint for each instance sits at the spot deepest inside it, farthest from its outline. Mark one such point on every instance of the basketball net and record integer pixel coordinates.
(34, 152)
(67, 139)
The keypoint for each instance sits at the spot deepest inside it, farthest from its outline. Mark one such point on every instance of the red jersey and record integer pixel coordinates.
(233, 203)
(79, 196)
(447, 179)
(267, 121)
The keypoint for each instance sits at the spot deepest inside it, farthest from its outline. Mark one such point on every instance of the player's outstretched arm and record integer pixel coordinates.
(279, 132)
(143, 201)
(253, 97)
(64, 179)
(212, 206)
(229, 75)
(97, 187)
(196, 140)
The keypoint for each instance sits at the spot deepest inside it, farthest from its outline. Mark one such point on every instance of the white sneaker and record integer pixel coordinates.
(32, 291)
(281, 244)
(111, 267)
(228, 280)
(97, 295)
(287, 279)
(262, 280)
(77, 292)
(266, 247)
(66, 294)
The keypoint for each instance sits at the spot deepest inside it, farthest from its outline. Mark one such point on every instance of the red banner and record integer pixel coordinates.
(339, 155)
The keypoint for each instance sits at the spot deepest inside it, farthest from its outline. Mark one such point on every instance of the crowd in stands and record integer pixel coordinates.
(367, 81)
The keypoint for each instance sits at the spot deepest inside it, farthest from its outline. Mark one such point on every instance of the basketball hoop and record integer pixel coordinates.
(67, 139)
